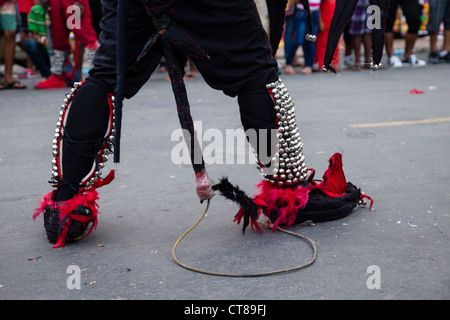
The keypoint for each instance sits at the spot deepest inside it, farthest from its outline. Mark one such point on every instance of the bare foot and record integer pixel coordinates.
(306, 70)
(288, 69)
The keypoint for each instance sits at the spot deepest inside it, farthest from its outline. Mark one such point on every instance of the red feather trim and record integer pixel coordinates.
(47, 200)
(103, 182)
(333, 182)
(86, 197)
(253, 223)
(363, 196)
(287, 201)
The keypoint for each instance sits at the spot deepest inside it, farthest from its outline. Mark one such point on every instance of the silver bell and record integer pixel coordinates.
(310, 37)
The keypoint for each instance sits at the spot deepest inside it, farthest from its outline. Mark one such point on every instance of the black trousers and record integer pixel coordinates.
(241, 64)
(412, 11)
(229, 31)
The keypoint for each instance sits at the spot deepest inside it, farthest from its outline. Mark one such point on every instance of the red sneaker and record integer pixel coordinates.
(52, 82)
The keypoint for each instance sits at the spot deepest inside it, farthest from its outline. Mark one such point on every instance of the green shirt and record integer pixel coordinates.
(37, 20)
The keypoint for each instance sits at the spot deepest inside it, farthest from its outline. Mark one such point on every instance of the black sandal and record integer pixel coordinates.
(13, 85)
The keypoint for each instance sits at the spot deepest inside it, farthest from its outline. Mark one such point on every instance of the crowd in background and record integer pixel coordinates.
(57, 44)
(408, 19)
(56, 35)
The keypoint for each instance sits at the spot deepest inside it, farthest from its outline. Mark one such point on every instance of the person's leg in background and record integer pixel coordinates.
(309, 47)
(84, 34)
(412, 11)
(326, 14)
(300, 31)
(445, 52)
(361, 35)
(394, 61)
(39, 56)
(439, 11)
(61, 48)
(289, 45)
(8, 23)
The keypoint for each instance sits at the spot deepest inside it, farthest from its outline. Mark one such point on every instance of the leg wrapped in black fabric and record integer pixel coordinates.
(289, 194)
(83, 139)
(270, 113)
(258, 119)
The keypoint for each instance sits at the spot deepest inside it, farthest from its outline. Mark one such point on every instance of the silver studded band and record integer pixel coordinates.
(96, 171)
(289, 161)
(57, 62)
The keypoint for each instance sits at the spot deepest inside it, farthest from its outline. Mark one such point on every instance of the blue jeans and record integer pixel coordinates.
(38, 56)
(294, 36)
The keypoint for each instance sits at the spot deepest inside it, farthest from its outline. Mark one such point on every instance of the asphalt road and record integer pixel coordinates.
(395, 147)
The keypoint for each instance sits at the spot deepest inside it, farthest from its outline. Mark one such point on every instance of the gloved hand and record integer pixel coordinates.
(203, 186)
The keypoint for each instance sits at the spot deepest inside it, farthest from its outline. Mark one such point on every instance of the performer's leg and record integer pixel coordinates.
(270, 113)
(85, 125)
(258, 119)
(85, 130)
(83, 139)
(288, 193)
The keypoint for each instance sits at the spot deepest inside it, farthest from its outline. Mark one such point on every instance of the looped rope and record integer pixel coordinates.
(308, 240)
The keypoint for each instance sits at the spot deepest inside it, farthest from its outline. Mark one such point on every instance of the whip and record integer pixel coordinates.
(248, 275)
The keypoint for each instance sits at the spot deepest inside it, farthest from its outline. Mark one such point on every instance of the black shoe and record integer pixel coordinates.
(51, 223)
(445, 58)
(80, 219)
(433, 57)
(66, 221)
(413, 61)
(78, 223)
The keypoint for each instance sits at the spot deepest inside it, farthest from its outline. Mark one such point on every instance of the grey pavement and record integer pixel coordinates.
(388, 151)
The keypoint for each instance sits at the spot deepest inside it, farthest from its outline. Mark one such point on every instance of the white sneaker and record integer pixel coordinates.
(349, 61)
(414, 61)
(395, 62)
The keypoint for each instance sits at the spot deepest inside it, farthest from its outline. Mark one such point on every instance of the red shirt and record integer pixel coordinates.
(25, 5)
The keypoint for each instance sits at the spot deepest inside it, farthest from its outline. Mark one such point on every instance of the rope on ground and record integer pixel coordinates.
(308, 240)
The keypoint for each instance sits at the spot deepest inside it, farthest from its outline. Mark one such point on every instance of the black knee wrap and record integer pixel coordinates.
(259, 121)
(273, 108)
(83, 138)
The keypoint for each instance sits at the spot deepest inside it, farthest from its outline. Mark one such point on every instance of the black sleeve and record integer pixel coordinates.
(276, 10)
(157, 8)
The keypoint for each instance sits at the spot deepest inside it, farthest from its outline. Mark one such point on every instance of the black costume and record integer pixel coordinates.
(228, 45)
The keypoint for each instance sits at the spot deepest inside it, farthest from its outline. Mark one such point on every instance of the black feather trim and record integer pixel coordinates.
(235, 194)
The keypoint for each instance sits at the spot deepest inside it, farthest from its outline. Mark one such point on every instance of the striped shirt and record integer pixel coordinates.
(313, 5)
